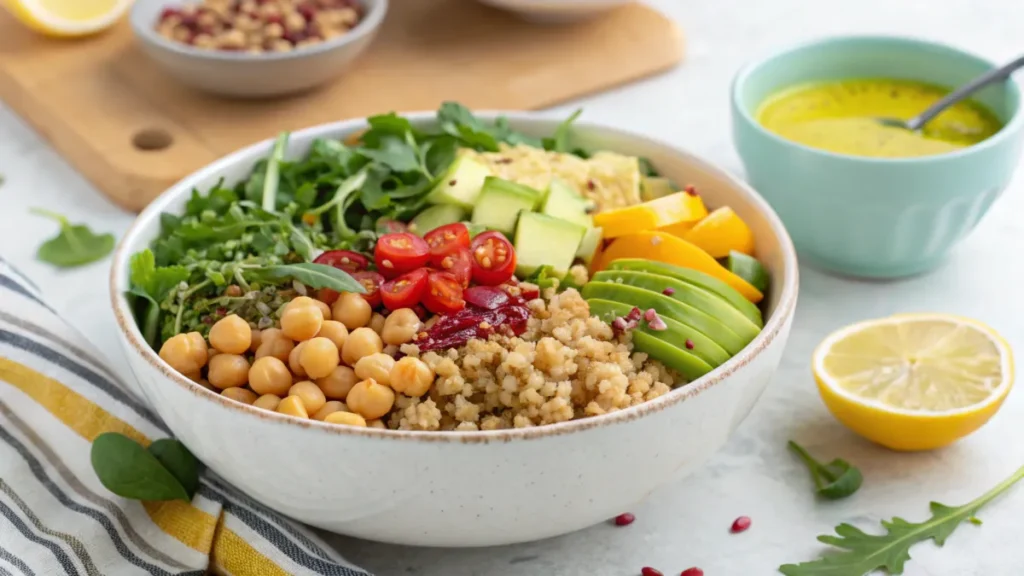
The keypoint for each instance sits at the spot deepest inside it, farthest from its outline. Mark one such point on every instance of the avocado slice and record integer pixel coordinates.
(565, 203)
(500, 203)
(699, 279)
(461, 184)
(591, 242)
(748, 268)
(668, 308)
(676, 334)
(543, 240)
(687, 293)
(688, 365)
(436, 216)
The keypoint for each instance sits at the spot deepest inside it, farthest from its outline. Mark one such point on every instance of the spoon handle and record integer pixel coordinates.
(964, 91)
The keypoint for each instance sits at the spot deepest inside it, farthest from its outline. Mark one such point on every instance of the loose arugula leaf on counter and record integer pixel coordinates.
(835, 480)
(127, 469)
(864, 553)
(75, 245)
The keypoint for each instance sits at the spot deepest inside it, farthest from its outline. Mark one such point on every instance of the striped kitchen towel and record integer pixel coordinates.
(56, 395)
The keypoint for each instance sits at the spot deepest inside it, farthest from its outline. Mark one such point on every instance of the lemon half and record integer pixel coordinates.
(914, 381)
(67, 17)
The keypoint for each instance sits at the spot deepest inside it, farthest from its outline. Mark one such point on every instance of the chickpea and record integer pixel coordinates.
(182, 353)
(199, 347)
(300, 302)
(347, 418)
(231, 335)
(269, 375)
(312, 397)
(377, 423)
(257, 339)
(210, 353)
(301, 322)
(412, 377)
(377, 322)
(361, 342)
(370, 399)
(268, 402)
(279, 348)
(338, 383)
(401, 327)
(329, 408)
(377, 366)
(228, 370)
(293, 406)
(352, 310)
(293, 361)
(335, 332)
(270, 334)
(325, 309)
(319, 357)
(243, 395)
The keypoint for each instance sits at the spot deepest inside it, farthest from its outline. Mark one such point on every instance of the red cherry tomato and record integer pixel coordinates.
(443, 294)
(405, 291)
(401, 252)
(445, 240)
(459, 263)
(346, 260)
(371, 281)
(494, 258)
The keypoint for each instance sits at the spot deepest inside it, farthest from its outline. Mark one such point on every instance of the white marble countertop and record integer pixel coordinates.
(687, 523)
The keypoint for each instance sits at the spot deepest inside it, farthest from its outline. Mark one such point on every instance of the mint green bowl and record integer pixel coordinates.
(870, 217)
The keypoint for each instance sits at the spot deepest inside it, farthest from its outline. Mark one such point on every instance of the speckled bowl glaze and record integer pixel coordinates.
(469, 488)
(244, 75)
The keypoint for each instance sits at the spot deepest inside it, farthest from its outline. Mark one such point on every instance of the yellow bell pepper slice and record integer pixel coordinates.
(721, 232)
(658, 213)
(670, 249)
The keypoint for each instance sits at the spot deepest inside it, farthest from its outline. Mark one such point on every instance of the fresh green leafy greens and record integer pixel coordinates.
(166, 471)
(863, 553)
(246, 248)
(74, 245)
(834, 480)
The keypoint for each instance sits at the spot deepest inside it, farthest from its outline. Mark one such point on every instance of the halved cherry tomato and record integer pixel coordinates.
(445, 240)
(459, 263)
(388, 226)
(443, 294)
(346, 260)
(401, 252)
(405, 291)
(494, 258)
(371, 281)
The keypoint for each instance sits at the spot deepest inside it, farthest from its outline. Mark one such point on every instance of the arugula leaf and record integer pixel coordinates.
(153, 285)
(317, 276)
(560, 141)
(863, 553)
(272, 177)
(835, 480)
(177, 459)
(127, 469)
(395, 153)
(75, 245)
(387, 124)
(301, 243)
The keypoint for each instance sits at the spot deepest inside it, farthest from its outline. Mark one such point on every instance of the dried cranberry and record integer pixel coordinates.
(486, 297)
(454, 330)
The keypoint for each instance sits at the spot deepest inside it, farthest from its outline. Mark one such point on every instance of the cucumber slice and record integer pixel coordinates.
(748, 268)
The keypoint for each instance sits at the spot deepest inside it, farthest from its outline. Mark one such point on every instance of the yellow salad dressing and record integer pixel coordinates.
(839, 117)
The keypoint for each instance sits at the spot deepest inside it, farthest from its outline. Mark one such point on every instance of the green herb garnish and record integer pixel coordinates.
(167, 471)
(863, 553)
(75, 245)
(835, 480)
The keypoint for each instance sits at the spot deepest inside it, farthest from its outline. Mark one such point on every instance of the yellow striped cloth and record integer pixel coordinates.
(56, 395)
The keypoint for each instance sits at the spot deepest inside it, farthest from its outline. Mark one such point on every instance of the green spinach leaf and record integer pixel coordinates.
(176, 458)
(127, 469)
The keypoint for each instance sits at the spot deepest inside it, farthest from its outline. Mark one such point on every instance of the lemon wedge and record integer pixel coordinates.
(67, 17)
(914, 381)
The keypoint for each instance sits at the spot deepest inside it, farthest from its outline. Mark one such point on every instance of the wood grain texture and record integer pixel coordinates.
(90, 97)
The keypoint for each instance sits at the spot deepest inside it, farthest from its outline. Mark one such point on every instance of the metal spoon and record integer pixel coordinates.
(914, 124)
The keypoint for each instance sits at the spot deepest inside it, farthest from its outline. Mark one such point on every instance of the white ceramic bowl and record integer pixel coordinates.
(468, 488)
(556, 11)
(244, 75)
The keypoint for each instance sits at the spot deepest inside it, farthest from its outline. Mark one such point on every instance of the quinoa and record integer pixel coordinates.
(567, 364)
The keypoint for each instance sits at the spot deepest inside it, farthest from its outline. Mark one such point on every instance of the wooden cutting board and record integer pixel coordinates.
(105, 106)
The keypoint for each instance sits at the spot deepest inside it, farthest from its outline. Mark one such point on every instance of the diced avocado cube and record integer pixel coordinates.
(565, 203)
(652, 188)
(500, 203)
(461, 184)
(589, 245)
(435, 217)
(543, 240)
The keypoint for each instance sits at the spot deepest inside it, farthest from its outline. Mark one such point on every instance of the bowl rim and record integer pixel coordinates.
(1007, 131)
(375, 13)
(131, 336)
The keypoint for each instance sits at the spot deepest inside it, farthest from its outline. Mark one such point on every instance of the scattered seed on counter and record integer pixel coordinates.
(740, 525)
(624, 519)
(258, 26)
(692, 572)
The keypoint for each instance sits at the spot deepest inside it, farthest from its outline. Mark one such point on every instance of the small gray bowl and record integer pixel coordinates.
(245, 75)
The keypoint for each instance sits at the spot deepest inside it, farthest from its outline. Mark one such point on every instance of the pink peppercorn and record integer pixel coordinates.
(740, 525)
(668, 291)
(689, 344)
(624, 519)
(648, 571)
(692, 572)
